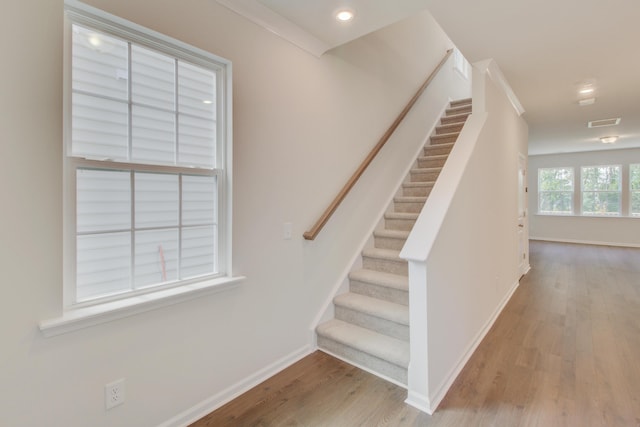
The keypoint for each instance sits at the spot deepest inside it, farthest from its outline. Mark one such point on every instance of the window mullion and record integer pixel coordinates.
(176, 112)
(179, 261)
(129, 100)
(132, 273)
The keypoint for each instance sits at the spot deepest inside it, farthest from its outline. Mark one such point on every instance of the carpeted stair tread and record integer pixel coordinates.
(419, 184)
(455, 118)
(393, 234)
(445, 137)
(390, 238)
(458, 102)
(380, 278)
(374, 307)
(439, 146)
(389, 254)
(409, 199)
(449, 128)
(434, 157)
(426, 170)
(458, 109)
(381, 346)
(400, 215)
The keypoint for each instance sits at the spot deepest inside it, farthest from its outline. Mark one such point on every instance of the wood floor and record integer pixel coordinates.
(564, 352)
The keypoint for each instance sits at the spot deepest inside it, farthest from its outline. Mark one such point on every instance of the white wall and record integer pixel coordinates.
(301, 126)
(618, 231)
(467, 264)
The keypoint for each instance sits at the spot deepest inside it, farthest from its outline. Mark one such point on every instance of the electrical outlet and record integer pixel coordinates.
(114, 393)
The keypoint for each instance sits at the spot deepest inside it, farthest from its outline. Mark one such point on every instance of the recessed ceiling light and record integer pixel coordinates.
(586, 90)
(608, 139)
(345, 15)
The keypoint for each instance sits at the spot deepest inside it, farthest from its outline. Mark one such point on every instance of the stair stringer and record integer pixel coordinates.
(342, 285)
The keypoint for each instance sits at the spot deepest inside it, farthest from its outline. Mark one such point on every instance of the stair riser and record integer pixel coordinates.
(416, 191)
(456, 127)
(408, 207)
(458, 110)
(458, 118)
(374, 323)
(437, 150)
(373, 290)
(386, 265)
(375, 364)
(389, 243)
(399, 224)
(429, 162)
(446, 139)
(424, 176)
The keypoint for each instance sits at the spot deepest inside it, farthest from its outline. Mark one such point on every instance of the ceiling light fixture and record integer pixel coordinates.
(608, 139)
(345, 15)
(586, 90)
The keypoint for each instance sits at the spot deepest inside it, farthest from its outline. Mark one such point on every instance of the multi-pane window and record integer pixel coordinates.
(601, 190)
(144, 162)
(634, 184)
(461, 64)
(555, 191)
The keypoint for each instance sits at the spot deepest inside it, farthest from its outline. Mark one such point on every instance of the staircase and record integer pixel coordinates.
(371, 324)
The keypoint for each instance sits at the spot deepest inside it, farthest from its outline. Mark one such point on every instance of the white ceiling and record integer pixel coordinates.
(545, 48)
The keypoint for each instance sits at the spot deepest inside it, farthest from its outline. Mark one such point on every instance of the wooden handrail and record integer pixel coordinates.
(313, 233)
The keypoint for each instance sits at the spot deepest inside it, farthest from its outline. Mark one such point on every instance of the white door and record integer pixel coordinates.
(523, 264)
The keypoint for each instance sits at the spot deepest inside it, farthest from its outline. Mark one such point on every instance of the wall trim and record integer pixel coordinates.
(419, 401)
(586, 242)
(214, 402)
(442, 389)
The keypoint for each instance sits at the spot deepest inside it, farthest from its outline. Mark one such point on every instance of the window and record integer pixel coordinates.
(461, 64)
(601, 190)
(634, 178)
(555, 191)
(146, 152)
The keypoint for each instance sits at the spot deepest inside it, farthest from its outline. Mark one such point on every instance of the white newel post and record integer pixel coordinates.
(418, 375)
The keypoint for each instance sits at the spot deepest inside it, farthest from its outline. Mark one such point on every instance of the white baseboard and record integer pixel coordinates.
(209, 405)
(586, 242)
(442, 389)
(419, 401)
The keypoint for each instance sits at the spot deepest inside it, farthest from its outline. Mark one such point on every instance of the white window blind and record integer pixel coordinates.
(145, 151)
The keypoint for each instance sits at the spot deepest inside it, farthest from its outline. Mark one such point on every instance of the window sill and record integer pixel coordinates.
(79, 318)
(587, 216)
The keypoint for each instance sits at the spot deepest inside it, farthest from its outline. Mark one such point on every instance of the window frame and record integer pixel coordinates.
(78, 13)
(619, 191)
(570, 192)
(461, 65)
(633, 191)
